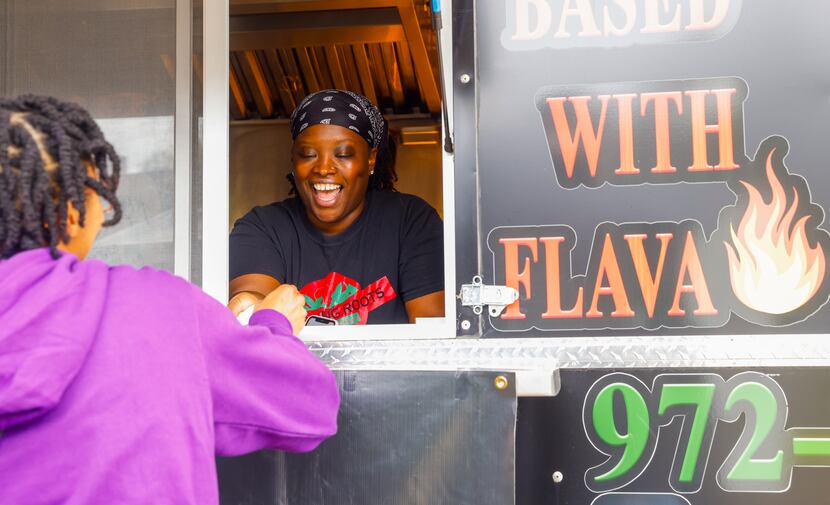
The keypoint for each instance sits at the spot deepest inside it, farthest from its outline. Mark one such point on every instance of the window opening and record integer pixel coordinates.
(279, 53)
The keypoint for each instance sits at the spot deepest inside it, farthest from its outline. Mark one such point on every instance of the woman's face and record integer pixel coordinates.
(331, 171)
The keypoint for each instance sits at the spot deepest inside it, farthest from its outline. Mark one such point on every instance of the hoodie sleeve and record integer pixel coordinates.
(269, 391)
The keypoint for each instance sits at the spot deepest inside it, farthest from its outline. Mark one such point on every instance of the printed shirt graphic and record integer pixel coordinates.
(341, 298)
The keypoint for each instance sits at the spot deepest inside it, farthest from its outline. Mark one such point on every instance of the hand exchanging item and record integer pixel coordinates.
(287, 301)
(243, 301)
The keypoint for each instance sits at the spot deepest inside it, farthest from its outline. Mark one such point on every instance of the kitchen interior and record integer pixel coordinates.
(281, 51)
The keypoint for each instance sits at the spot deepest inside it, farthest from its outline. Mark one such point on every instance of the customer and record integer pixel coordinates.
(361, 252)
(119, 385)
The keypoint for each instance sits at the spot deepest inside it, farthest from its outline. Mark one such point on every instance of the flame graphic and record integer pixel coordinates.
(772, 267)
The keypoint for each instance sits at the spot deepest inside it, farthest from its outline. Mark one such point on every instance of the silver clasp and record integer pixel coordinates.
(477, 295)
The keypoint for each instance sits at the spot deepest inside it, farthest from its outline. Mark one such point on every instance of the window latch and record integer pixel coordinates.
(496, 298)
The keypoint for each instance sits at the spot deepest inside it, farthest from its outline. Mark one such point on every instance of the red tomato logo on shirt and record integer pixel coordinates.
(341, 298)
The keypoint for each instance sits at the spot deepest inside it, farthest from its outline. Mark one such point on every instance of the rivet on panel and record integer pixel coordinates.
(501, 382)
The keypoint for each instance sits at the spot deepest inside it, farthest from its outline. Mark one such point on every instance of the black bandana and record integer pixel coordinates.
(341, 108)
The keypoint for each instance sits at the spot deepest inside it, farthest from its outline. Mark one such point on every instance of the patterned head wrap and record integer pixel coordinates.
(342, 108)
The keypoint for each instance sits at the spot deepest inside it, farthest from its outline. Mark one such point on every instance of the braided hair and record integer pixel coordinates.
(46, 147)
(385, 174)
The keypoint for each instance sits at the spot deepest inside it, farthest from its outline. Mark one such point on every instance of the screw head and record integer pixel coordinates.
(501, 382)
(464, 78)
(557, 477)
(465, 324)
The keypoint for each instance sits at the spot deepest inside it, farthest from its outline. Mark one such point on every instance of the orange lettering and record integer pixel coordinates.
(700, 156)
(648, 285)
(583, 131)
(690, 263)
(662, 131)
(626, 124)
(513, 278)
(553, 282)
(609, 267)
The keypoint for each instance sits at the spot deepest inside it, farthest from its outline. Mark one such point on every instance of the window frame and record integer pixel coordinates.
(215, 188)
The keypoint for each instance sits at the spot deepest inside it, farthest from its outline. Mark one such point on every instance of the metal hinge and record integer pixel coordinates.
(477, 295)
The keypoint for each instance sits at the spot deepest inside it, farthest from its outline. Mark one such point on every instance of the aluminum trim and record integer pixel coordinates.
(215, 180)
(554, 353)
(448, 169)
(182, 207)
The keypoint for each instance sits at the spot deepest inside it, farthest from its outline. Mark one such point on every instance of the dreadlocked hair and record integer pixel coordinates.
(385, 174)
(46, 150)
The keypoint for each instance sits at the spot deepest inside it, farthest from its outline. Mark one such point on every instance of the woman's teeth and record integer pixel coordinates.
(327, 187)
(326, 194)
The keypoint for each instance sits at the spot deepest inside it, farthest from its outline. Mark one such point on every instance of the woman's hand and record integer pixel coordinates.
(243, 301)
(287, 301)
(248, 290)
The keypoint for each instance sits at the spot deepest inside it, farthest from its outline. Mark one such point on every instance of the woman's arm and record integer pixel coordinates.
(249, 289)
(431, 305)
(421, 262)
(268, 390)
(256, 260)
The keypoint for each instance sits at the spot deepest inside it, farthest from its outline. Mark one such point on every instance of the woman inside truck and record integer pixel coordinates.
(118, 385)
(360, 251)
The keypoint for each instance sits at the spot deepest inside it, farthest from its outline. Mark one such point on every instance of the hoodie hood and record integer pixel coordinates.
(50, 311)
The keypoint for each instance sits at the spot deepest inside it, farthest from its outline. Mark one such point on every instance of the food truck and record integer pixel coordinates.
(633, 197)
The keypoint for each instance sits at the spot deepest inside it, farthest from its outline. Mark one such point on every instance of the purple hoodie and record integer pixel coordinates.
(119, 385)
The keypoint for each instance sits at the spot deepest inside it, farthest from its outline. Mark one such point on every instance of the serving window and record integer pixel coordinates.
(386, 50)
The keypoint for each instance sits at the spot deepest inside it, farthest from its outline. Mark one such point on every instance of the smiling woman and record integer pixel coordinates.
(334, 189)
(359, 251)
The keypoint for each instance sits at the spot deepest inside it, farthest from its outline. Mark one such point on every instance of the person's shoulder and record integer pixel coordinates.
(148, 280)
(153, 293)
(403, 201)
(272, 214)
(282, 207)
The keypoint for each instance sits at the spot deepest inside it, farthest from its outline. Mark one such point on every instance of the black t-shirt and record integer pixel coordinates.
(391, 254)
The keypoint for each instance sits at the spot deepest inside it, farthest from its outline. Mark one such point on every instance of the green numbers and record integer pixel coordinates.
(697, 431)
(632, 443)
(623, 419)
(747, 468)
(618, 423)
(757, 460)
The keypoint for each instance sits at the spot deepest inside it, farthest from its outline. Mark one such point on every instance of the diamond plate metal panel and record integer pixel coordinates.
(553, 353)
